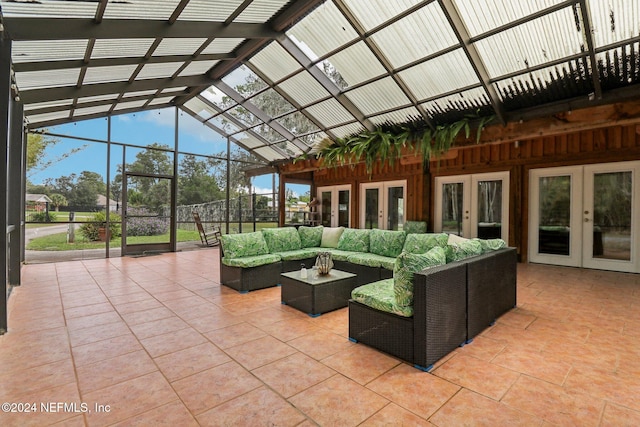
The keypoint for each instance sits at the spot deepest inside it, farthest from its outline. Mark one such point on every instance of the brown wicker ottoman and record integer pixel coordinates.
(315, 296)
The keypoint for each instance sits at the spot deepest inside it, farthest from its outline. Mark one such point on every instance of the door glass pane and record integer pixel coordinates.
(452, 209)
(612, 215)
(489, 209)
(372, 196)
(148, 211)
(395, 207)
(326, 208)
(554, 233)
(343, 208)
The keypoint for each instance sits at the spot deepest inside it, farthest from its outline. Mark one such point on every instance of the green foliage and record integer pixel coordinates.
(37, 158)
(42, 217)
(90, 230)
(58, 200)
(387, 142)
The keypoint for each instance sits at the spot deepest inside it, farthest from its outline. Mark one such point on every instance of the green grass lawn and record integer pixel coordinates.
(58, 242)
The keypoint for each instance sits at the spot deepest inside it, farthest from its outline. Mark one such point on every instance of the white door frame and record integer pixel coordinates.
(383, 213)
(335, 207)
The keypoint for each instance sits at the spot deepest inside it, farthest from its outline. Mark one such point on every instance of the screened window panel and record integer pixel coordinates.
(107, 48)
(304, 89)
(148, 9)
(481, 16)
(397, 116)
(534, 43)
(347, 130)
(217, 98)
(47, 50)
(165, 70)
(375, 12)
(172, 46)
(626, 20)
(272, 103)
(416, 36)
(198, 67)
(274, 62)
(203, 10)
(50, 8)
(222, 45)
(221, 122)
(354, 65)
(244, 81)
(475, 98)
(381, 95)
(313, 138)
(330, 113)
(114, 73)
(297, 123)
(47, 78)
(260, 10)
(440, 75)
(322, 31)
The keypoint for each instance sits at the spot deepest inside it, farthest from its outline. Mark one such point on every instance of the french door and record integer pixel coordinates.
(474, 205)
(335, 205)
(586, 216)
(384, 205)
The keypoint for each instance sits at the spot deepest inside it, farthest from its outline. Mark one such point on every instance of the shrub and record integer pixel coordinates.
(90, 230)
(145, 226)
(42, 217)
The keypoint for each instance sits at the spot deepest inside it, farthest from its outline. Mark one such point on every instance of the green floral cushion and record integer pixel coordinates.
(386, 242)
(336, 254)
(462, 250)
(310, 237)
(297, 254)
(489, 245)
(406, 265)
(251, 261)
(331, 236)
(244, 244)
(379, 295)
(354, 240)
(282, 239)
(423, 243)
(415, 227)
(372, 260)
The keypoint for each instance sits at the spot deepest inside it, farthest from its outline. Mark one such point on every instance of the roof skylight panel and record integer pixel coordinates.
(397, 116)
(481, 16)
(222, 45)
(161, 101)
(243, 115)
(322, 31)
(330, 113)
(198, 67)
(267, 132)
(199, 108)
(47, 50)
(184, 46)
(46, 104)
(49, 8)
(416, 36)
(297, 123)
(79, 112)
(140, 9)
(47, 78)
(272, 103)
(269, 154)
(347, 130)
(533, 43)
(36, 119)
(115, 48)
(379, 96)
(161, 70)
(261, 11)
(476, 98)
(114, 73)
(352, 66)
(274, 62)
(440, 75)
(206, 10)
(248, 141)
(218, 98)
(244, 81)
(372, 13)
(221, 122)
(303, 89)
(613, 21)
(130, 105)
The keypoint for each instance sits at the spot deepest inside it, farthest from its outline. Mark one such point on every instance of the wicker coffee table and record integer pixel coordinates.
(317, 295)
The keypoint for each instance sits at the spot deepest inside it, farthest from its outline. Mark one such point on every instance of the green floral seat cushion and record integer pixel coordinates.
(310, 237)
(423, 243)
(354, 240)
(379, 295)
(245, 244)
(406, 265)
(297, 254)
(489, 245)
(251, 261)
(372, 260)
(462, 250)
(410, 227)
(282, 239)
(386, 242)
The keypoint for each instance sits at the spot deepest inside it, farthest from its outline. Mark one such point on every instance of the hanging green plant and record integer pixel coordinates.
(386, 143)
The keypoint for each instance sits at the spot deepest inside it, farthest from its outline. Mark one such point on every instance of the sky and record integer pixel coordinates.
(140, 129)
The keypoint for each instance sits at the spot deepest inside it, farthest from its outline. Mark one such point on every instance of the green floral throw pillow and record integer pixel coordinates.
(310, 237)
(489, 245)
(423, 243)
(410, 227)
(406, 265)
(354, 240)
(282, 239)
(386, 242)
(246, 244)
(462, 250)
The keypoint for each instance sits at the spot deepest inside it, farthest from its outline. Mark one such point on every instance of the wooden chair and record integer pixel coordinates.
(210, 237)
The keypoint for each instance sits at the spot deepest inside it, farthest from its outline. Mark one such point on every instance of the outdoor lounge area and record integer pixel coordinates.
(157, 340)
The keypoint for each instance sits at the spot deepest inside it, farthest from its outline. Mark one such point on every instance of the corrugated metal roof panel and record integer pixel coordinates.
(614, 20)
(198, 67)
(454, 107)
(206, 10)
(139, 93)
(47, 50)
(79, 112)
(381, 95)
(130, 105)
(113, 73)
(35, 119)
(161, 101)
(260, 10)
(57, 103)
(248, 140)
(330, 113)
(222, 46)
(397, 116)
(346, 130)
(217, 97)
(47, 78)
(135, 9)
(107, 48)
(186, 46)
(268, 153)
(375, 12)
(199, 108)
(297, 123)
(244, 81)
(274, 62)
(50, 8)
(161, 70)
(304, 89)
(354, 65)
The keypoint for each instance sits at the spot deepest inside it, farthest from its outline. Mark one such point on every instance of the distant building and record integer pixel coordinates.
(37, 202)
(102, 203)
